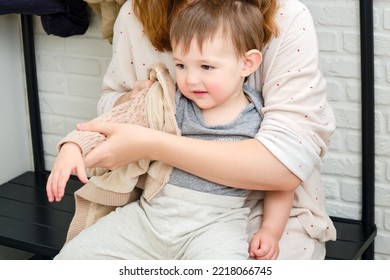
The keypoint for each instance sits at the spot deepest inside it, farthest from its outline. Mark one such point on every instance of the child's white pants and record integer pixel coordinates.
(177, 224)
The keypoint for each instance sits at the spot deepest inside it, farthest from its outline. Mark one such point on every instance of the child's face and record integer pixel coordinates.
(211, 77)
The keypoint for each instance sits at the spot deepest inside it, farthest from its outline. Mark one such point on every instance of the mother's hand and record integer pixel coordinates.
(125, 143)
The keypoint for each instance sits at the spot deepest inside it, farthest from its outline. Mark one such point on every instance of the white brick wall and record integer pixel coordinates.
(70, 71)
(337, 24)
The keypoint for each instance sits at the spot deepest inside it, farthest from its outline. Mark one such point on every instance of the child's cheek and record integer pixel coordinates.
(215, 88)
(181, 85)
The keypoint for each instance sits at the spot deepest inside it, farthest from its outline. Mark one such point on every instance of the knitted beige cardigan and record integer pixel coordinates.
(108, 189)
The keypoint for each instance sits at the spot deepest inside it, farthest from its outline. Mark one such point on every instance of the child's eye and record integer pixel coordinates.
(180, 66)
(207, 67)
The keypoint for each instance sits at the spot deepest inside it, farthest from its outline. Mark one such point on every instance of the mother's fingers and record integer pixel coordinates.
(102, 127)
(98, 157)
(125, 143)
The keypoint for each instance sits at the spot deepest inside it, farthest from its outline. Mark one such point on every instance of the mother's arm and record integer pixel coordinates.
(245, 164)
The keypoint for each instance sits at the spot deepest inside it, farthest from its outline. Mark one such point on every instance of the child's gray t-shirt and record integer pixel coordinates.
(190, 121)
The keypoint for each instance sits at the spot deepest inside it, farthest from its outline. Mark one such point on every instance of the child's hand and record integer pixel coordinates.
(264, 245)
(69, 160)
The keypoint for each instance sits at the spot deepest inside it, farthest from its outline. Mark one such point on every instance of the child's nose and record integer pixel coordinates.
(192, 77)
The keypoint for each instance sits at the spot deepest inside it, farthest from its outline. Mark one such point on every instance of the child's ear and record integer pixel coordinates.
(252, 61)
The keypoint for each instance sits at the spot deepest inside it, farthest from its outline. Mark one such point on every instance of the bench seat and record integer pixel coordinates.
(28, 221)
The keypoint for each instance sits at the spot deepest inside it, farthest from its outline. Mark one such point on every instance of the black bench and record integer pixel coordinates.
(30, 223)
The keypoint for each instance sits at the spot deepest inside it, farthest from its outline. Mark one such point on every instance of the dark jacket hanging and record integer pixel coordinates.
(35, 7)
(63, 18)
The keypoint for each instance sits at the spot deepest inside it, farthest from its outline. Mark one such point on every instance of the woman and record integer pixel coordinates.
(286, 152)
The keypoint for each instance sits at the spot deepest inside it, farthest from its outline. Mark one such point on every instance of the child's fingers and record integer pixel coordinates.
(254, 245)
(269, 254)
(264, 252)
(81, 174)
(274, 256)
(260, 253)
(53, 186)
(61, 184)
(49, 191)
(264, 256)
